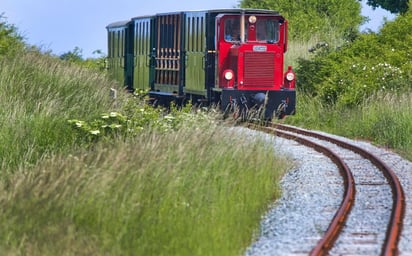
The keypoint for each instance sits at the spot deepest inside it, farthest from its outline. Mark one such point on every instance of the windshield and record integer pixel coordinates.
(267, 30)
(263, 29)
(232, 29)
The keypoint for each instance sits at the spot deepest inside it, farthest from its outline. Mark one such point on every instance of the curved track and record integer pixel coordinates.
(340, 221)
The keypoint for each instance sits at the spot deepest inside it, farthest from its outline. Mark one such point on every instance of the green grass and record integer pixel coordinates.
(384, 119)
(181, 186)
(299, 49)
(182, 193)
(38, 94)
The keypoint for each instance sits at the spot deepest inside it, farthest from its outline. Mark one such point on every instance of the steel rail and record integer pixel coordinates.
(339, 219)
(394, 228)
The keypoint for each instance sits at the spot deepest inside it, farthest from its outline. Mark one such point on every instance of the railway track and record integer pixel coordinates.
(360, 226)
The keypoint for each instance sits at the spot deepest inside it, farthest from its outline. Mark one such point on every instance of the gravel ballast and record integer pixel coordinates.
(311, 193)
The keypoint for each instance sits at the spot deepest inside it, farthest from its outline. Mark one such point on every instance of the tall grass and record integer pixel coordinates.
(305, 49)
(196, 191)
(384, 118)
(387, 120)
(192, 192)
(37, 95)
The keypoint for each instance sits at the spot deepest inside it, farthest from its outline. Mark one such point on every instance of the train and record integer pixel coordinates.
(232, 58)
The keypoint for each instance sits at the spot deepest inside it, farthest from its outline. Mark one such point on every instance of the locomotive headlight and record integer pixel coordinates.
(290, 76)
(289, 79)
(228, 74)
(252, 19)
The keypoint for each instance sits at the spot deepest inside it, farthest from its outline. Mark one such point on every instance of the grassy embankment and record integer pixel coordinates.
(361, 90)
(194, 191)
(384, 119)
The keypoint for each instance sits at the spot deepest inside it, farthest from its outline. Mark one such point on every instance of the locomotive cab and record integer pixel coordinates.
(250, 60)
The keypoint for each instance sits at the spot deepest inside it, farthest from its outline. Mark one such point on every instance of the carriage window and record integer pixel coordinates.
(267, 30)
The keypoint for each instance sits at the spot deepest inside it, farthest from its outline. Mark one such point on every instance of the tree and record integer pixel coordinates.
(98, 62)
(375, 62)
(10, 40)
(394, 6)
(73, 56)
(315, 17)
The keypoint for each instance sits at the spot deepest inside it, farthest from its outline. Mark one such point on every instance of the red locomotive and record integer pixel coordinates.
(230, 57)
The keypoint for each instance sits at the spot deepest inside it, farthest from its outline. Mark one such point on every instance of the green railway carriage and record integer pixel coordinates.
(116, 49)
(182, 56)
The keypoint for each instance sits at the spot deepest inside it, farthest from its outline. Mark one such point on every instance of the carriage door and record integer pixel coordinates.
(195, 44)
(142, 52)
(168, 55)
(128, 55)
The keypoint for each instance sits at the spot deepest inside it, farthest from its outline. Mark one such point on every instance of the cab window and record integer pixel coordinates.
(267, 30)
(232, 29)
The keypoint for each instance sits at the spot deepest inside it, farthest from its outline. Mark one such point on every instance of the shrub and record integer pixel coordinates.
(10, 40)
(306, 18)
(372, 63)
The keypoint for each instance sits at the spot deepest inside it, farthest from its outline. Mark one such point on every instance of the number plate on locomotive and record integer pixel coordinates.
(259, 48)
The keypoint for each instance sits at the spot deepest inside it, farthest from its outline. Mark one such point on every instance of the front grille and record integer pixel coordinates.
(259, 69)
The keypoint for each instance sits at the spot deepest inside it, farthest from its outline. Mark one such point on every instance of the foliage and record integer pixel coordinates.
(137, 117)
(10, 40)
(185, 192)
(38, 93)
(373, 62)
(119, 197)
(72, 56)
(385, 118)
(394, 6)
(76, 56)
(321, 17)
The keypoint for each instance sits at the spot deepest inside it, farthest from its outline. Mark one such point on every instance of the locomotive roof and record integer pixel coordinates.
(124, 23)
(230, 10)
(118, 24)
(238, 10)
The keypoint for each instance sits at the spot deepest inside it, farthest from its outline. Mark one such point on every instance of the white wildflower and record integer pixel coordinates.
(169, 117)
(95, 132)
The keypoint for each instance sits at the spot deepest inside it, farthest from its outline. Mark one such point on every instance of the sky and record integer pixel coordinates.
(61, 25)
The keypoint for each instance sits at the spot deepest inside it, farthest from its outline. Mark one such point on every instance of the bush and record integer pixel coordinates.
(372, 63)
(10, 40)
(136, 117)
(76, 57)
(314, 17)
